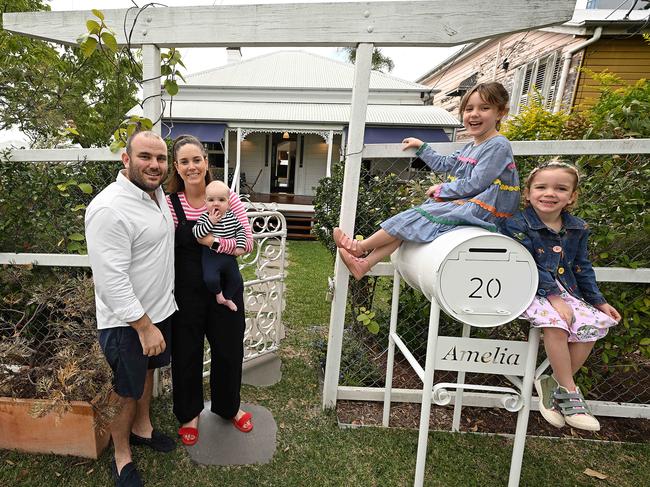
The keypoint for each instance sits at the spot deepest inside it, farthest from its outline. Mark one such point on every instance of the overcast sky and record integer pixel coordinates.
(410, 62)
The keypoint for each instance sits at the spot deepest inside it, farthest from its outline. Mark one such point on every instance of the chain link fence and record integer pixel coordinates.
(48, 331)
(612, 200)
(43, 204)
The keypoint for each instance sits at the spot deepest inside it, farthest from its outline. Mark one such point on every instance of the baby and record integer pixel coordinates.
(220, 271)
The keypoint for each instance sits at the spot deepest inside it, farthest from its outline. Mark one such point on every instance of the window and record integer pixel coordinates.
(537, 77)
(464, 86)
(215, 154)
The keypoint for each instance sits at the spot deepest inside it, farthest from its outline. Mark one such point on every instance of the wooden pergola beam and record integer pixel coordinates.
(393, 23)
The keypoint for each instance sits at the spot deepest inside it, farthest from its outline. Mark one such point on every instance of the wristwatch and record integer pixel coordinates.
(215, 244)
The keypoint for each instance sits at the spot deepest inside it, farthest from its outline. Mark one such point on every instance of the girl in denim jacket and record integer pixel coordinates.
(482, 186)
(568, 304)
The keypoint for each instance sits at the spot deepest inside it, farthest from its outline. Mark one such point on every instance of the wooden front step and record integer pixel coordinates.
(299, 224)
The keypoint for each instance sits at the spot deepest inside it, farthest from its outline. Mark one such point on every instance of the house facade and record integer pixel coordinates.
(547, 62)
(284, 116)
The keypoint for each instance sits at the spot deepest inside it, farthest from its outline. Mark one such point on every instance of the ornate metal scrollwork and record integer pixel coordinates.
(511, 400)
(264, 286)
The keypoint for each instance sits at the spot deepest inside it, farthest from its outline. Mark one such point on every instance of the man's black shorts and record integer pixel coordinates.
(123, 352)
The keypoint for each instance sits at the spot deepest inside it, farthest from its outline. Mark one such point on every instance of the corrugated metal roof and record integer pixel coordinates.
(298, 69)
(309, 113)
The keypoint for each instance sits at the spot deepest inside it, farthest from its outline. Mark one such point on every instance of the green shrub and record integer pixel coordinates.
(379, 197)
(43, 204)
(358, 367)
(613, 200)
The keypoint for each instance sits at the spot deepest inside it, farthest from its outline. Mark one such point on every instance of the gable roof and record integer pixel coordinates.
(581, 24)
(300, 70)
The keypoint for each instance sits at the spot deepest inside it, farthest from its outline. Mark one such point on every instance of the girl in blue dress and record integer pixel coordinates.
(482, 186)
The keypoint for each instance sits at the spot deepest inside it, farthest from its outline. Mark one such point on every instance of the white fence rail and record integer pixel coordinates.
(603, 274)
(263, 295)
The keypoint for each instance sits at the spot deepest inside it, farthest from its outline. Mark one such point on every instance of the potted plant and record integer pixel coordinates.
(54, 381)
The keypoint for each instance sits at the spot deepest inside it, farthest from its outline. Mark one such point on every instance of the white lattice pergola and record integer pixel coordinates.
(363, 25)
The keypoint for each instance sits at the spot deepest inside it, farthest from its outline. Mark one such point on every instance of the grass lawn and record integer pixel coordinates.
(312, 451)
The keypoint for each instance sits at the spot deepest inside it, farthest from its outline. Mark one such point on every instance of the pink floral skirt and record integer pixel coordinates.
(590, 324)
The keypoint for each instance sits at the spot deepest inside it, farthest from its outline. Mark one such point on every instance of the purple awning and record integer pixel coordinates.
(395, 135)
(205, 132)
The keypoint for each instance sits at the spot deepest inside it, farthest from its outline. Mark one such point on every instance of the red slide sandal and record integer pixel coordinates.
(239, 424)
(189, 436)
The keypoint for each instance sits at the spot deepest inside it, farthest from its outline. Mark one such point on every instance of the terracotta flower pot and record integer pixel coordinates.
(73, 433)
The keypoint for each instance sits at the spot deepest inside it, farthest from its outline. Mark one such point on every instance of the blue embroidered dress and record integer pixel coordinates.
(482, 188)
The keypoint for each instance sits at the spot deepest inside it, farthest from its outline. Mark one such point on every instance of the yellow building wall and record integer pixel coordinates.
(627, 58)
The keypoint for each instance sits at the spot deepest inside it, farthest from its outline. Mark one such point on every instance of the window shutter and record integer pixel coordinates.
(517, 84)
(550, 82)
(529, 82)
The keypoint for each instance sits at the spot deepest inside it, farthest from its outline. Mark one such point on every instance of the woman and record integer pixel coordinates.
(199, 315)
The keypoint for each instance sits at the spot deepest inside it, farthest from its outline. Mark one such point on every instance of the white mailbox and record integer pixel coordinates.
(480, 278)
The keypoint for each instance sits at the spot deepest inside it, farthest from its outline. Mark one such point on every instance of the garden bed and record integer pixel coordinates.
(483, 420)
(75, 431)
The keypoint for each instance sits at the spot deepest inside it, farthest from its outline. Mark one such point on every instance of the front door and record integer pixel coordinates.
(283, 163)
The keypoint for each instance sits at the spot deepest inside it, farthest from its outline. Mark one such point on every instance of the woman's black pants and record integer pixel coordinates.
(199, 317)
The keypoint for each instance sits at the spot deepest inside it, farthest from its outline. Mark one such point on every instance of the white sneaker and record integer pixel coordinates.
(575, 410)
(548, 408)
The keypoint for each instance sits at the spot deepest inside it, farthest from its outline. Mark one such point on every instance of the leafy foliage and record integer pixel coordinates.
(357, 366)
(42, 205)
(620, 112)
(379, 197)
(55, 94)
(84, 93)
(380, 62)
(367, 318)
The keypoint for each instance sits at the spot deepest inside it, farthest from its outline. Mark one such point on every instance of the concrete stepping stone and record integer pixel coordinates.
(220, 443)
(262, 371)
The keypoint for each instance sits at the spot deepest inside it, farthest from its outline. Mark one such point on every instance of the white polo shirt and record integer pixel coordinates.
(131, 250)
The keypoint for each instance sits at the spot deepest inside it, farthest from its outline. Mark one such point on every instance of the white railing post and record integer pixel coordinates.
(388, 385)
(226, 148)
(330, 143)
(152, 110)
(234, 186)
(524, 412)
(151, 85)
(348, 212)
(458, 402)
(427, 387)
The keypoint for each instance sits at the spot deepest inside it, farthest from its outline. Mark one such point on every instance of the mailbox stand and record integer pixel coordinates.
(513, 400)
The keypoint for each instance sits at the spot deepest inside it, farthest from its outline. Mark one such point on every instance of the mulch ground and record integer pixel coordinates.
(487, 420)
(483, 420)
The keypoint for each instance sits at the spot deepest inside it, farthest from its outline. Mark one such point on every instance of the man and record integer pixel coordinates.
(129, 230)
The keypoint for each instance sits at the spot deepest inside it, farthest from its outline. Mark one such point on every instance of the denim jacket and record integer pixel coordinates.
(559, 256)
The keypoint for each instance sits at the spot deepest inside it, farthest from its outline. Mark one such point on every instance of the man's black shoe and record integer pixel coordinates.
(158, 441)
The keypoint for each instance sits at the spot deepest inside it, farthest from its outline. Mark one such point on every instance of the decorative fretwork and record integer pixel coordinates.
(263, 271)
(322, 133)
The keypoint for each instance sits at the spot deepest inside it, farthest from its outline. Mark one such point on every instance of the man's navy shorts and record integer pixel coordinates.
(123, 351)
